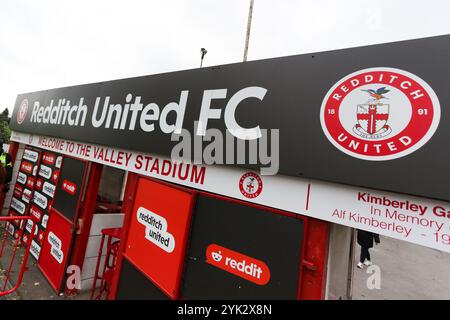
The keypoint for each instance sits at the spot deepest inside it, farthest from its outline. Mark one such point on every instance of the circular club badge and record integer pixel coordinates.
(380, 114)
(22, 113)
(250, 185)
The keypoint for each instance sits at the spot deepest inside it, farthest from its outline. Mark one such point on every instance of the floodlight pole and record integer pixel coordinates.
(249, 24)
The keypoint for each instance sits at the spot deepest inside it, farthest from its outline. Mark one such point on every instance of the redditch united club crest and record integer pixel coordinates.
(380, 113)
(250, 185)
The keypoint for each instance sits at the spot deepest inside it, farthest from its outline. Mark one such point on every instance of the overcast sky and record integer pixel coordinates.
(48, 44)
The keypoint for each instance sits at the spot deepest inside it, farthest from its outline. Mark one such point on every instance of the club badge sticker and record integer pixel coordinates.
(22, 113)
(380, 114)
(250, 185)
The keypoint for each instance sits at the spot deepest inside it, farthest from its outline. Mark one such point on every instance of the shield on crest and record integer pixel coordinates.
(372, 118)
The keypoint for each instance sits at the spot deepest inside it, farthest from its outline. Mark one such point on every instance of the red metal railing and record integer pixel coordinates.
(109, 265)
(16, 245)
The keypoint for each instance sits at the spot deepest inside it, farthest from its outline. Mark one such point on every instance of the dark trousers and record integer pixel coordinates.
(364, 254)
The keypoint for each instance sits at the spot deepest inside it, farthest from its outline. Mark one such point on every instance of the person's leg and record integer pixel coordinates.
(363, 255)
(368, 255)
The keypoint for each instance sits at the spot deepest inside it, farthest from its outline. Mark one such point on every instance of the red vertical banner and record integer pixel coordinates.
(57, 239)
(158, 233)
(55, 250)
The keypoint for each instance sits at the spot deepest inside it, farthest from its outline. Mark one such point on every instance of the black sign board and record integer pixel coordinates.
(242, 252)
(69, 187)
(134, 285)
(374, 116)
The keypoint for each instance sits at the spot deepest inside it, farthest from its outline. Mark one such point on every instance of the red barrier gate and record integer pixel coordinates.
(17, 241)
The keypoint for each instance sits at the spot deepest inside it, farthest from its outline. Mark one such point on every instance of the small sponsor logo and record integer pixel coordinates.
(44, 221)
(55, 176)
(39, 183)
(49, 158)
(250, 185)
(18, 191)
(26, 195)
(55, 247)
(30, 182)
(58, 162)
(48, 189)
(156, 229)
(29, 227)
(26, 167)
(69, 187)
(238, 264)
(45, 171)
(35, 249)
(40, 200)
(36, 212)
(18, 205)
(30, 155)
(21, 178)
(22, 112)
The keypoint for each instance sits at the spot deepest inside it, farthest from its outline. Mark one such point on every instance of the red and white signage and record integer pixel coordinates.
(243, 266)
(30, 155)
(35, 249)
(158, 233)
(303, 196)
(18, 205)
(26, 195)
(55, 250)
(39, 183)
(30, 182)
(40, 200)
(21, 178)
(69, 187)
(45, 172)
(380, 114)
(55, 247)
(36, 213)
(26, 167)
(18, 191)
(55, 176)
(218, 179)
(49, 158)
(49, 189)
(156, 229)
(414, 219)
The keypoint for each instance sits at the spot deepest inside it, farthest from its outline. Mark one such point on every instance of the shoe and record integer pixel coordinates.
(368, 263)
(360, 265)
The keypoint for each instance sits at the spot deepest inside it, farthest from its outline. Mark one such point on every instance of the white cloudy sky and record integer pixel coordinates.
(46, 44)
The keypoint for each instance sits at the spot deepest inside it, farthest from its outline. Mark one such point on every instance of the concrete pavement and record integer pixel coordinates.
(408, 271)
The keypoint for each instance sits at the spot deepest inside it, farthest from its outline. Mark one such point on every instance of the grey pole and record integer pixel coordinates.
(249, 24)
